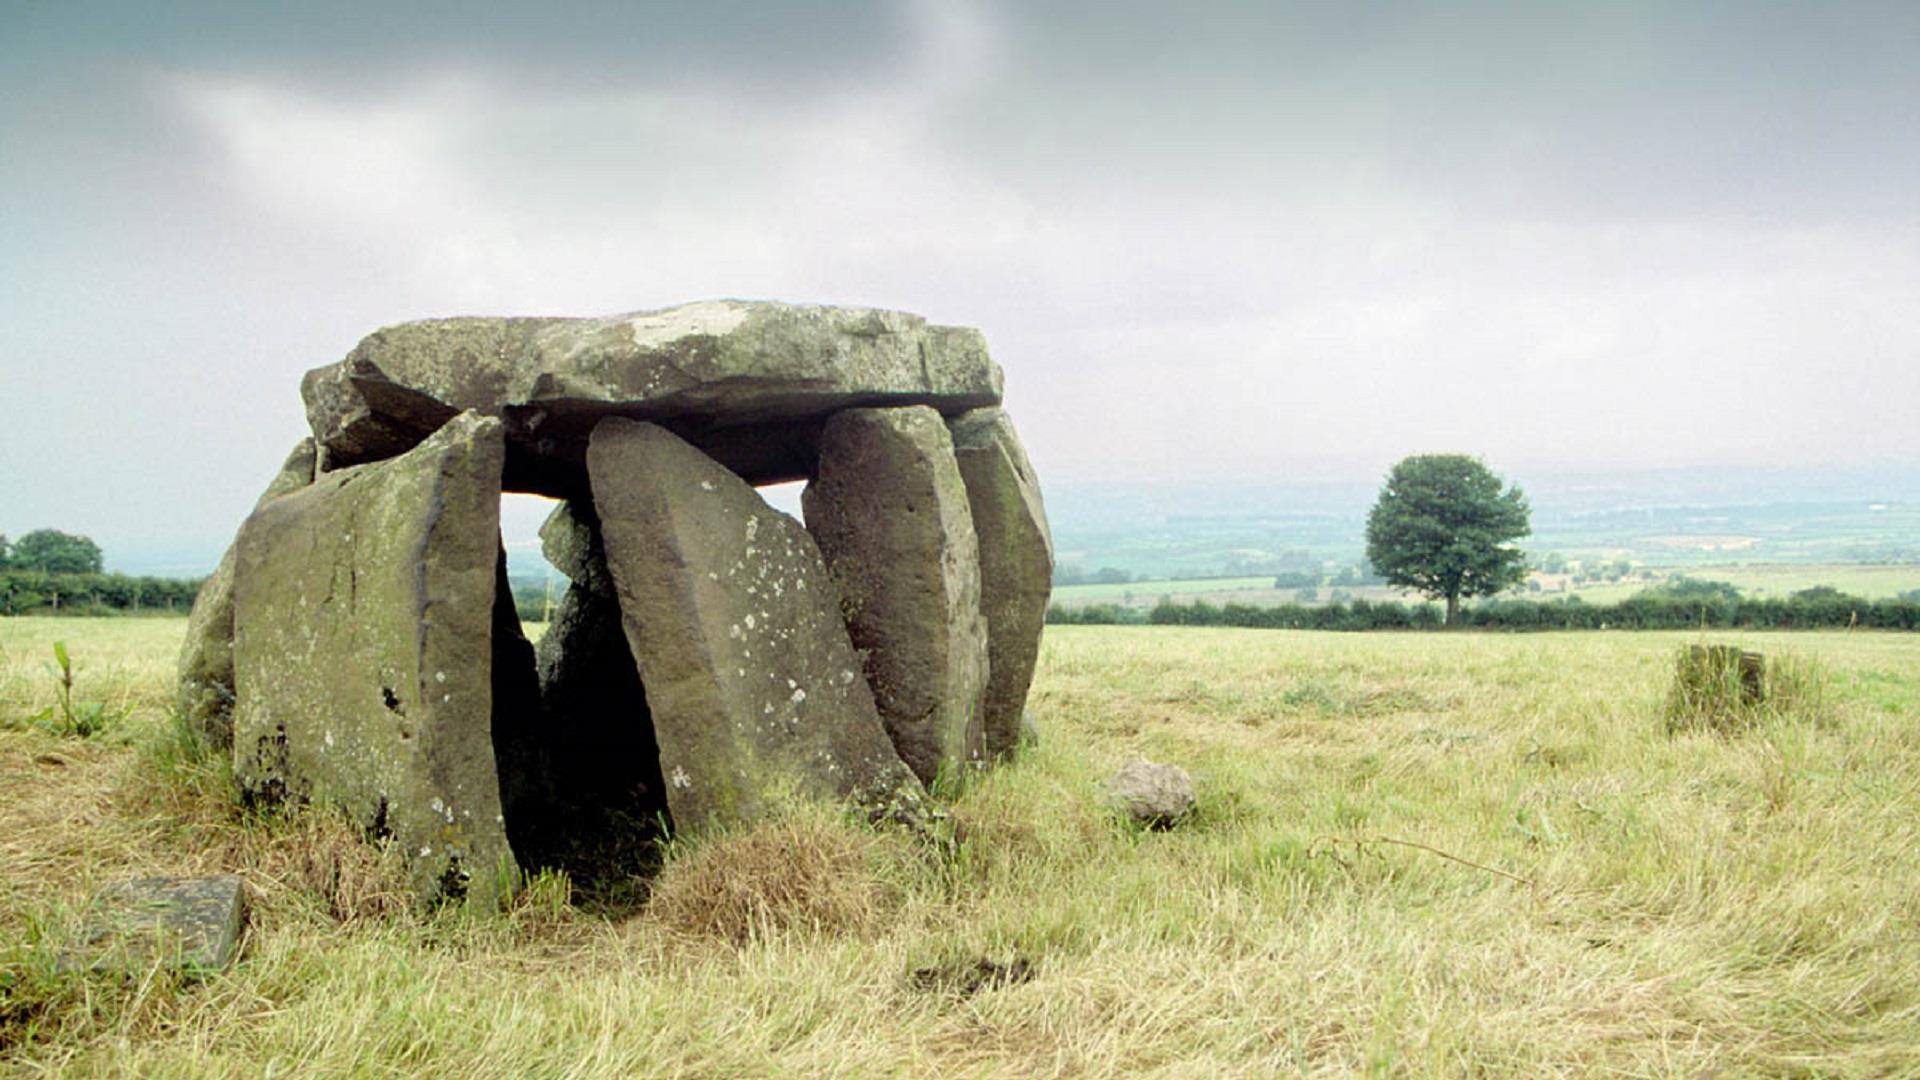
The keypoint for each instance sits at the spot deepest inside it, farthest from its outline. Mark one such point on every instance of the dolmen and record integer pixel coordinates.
(711, 660)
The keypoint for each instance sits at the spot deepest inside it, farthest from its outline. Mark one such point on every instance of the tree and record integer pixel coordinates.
(3, 551)
(1682, 587)
(1441, 527)
(52, 552)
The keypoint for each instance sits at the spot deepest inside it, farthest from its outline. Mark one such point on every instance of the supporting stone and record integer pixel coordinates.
(364, 623)
(205, 693)
(1016, 563)
(608, 804)
(890, 512)
(570, 539)
(749, 382)
(754, 689)
(522, 749)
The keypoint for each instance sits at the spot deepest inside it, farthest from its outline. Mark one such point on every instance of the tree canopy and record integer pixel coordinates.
(1442, 527)
(53, 552)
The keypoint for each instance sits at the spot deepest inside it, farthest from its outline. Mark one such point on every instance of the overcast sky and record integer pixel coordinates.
(1204, 240)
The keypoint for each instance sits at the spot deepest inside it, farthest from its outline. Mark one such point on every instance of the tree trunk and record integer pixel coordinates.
(1453, 608)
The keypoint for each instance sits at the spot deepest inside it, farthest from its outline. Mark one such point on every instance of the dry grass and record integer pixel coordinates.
(1688, 905)
(807, 873)
(1715, 689)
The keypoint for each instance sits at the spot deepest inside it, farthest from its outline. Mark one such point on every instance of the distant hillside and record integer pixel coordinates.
(1666, 518)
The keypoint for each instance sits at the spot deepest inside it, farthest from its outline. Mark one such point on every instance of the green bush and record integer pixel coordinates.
(1650, 610)
(1728, 690)
(24, 592)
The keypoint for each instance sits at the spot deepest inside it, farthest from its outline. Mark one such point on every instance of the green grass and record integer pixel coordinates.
(1415, 854)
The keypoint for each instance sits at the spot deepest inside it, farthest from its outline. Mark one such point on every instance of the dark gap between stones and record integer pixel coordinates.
(579, 768)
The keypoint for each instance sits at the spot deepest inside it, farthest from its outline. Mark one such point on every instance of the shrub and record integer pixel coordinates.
(1725, 689)
(807, 872)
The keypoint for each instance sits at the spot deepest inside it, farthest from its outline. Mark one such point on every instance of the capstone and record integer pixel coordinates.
(750, 382)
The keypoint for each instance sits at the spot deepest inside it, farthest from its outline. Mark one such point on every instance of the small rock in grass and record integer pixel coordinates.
(966, 978)
(193, 924)
(1156, 796)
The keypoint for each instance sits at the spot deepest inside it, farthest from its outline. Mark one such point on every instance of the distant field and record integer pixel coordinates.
(1153, 590)
(1415, 854)
(1777, 580)
(1874, 582)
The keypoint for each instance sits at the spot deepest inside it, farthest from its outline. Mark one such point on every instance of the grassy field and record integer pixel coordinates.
(1872, 581)
(1074, 595)
(1415, 854)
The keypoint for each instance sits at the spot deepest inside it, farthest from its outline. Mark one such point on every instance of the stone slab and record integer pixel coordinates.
(890, 512)
(570, 539)
(364, 649)
(748, 381)
(193, 924)
(1016, 563)
(205, 692)
(754, 689)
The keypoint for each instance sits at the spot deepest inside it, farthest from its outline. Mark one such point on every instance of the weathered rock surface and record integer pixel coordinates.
(522, 751)
(364, 622)
(1016, 563)
(570, 539)
(1156, 796)
(754, 689)
(747, 381)
(890, 512)
(205, 694)
(603, 763)
(185, 923)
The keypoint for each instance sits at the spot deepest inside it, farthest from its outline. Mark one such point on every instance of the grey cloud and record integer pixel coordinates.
(1204, 239)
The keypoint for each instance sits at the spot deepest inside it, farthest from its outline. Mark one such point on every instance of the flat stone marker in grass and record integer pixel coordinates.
(193, 924)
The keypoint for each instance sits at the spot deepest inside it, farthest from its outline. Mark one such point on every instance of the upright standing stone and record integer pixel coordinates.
(890, 512)
(1016, 563)
(522, 754)
(205, 696)
(604, 765)
(755, 692)
(570, 539)
(364, 653)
